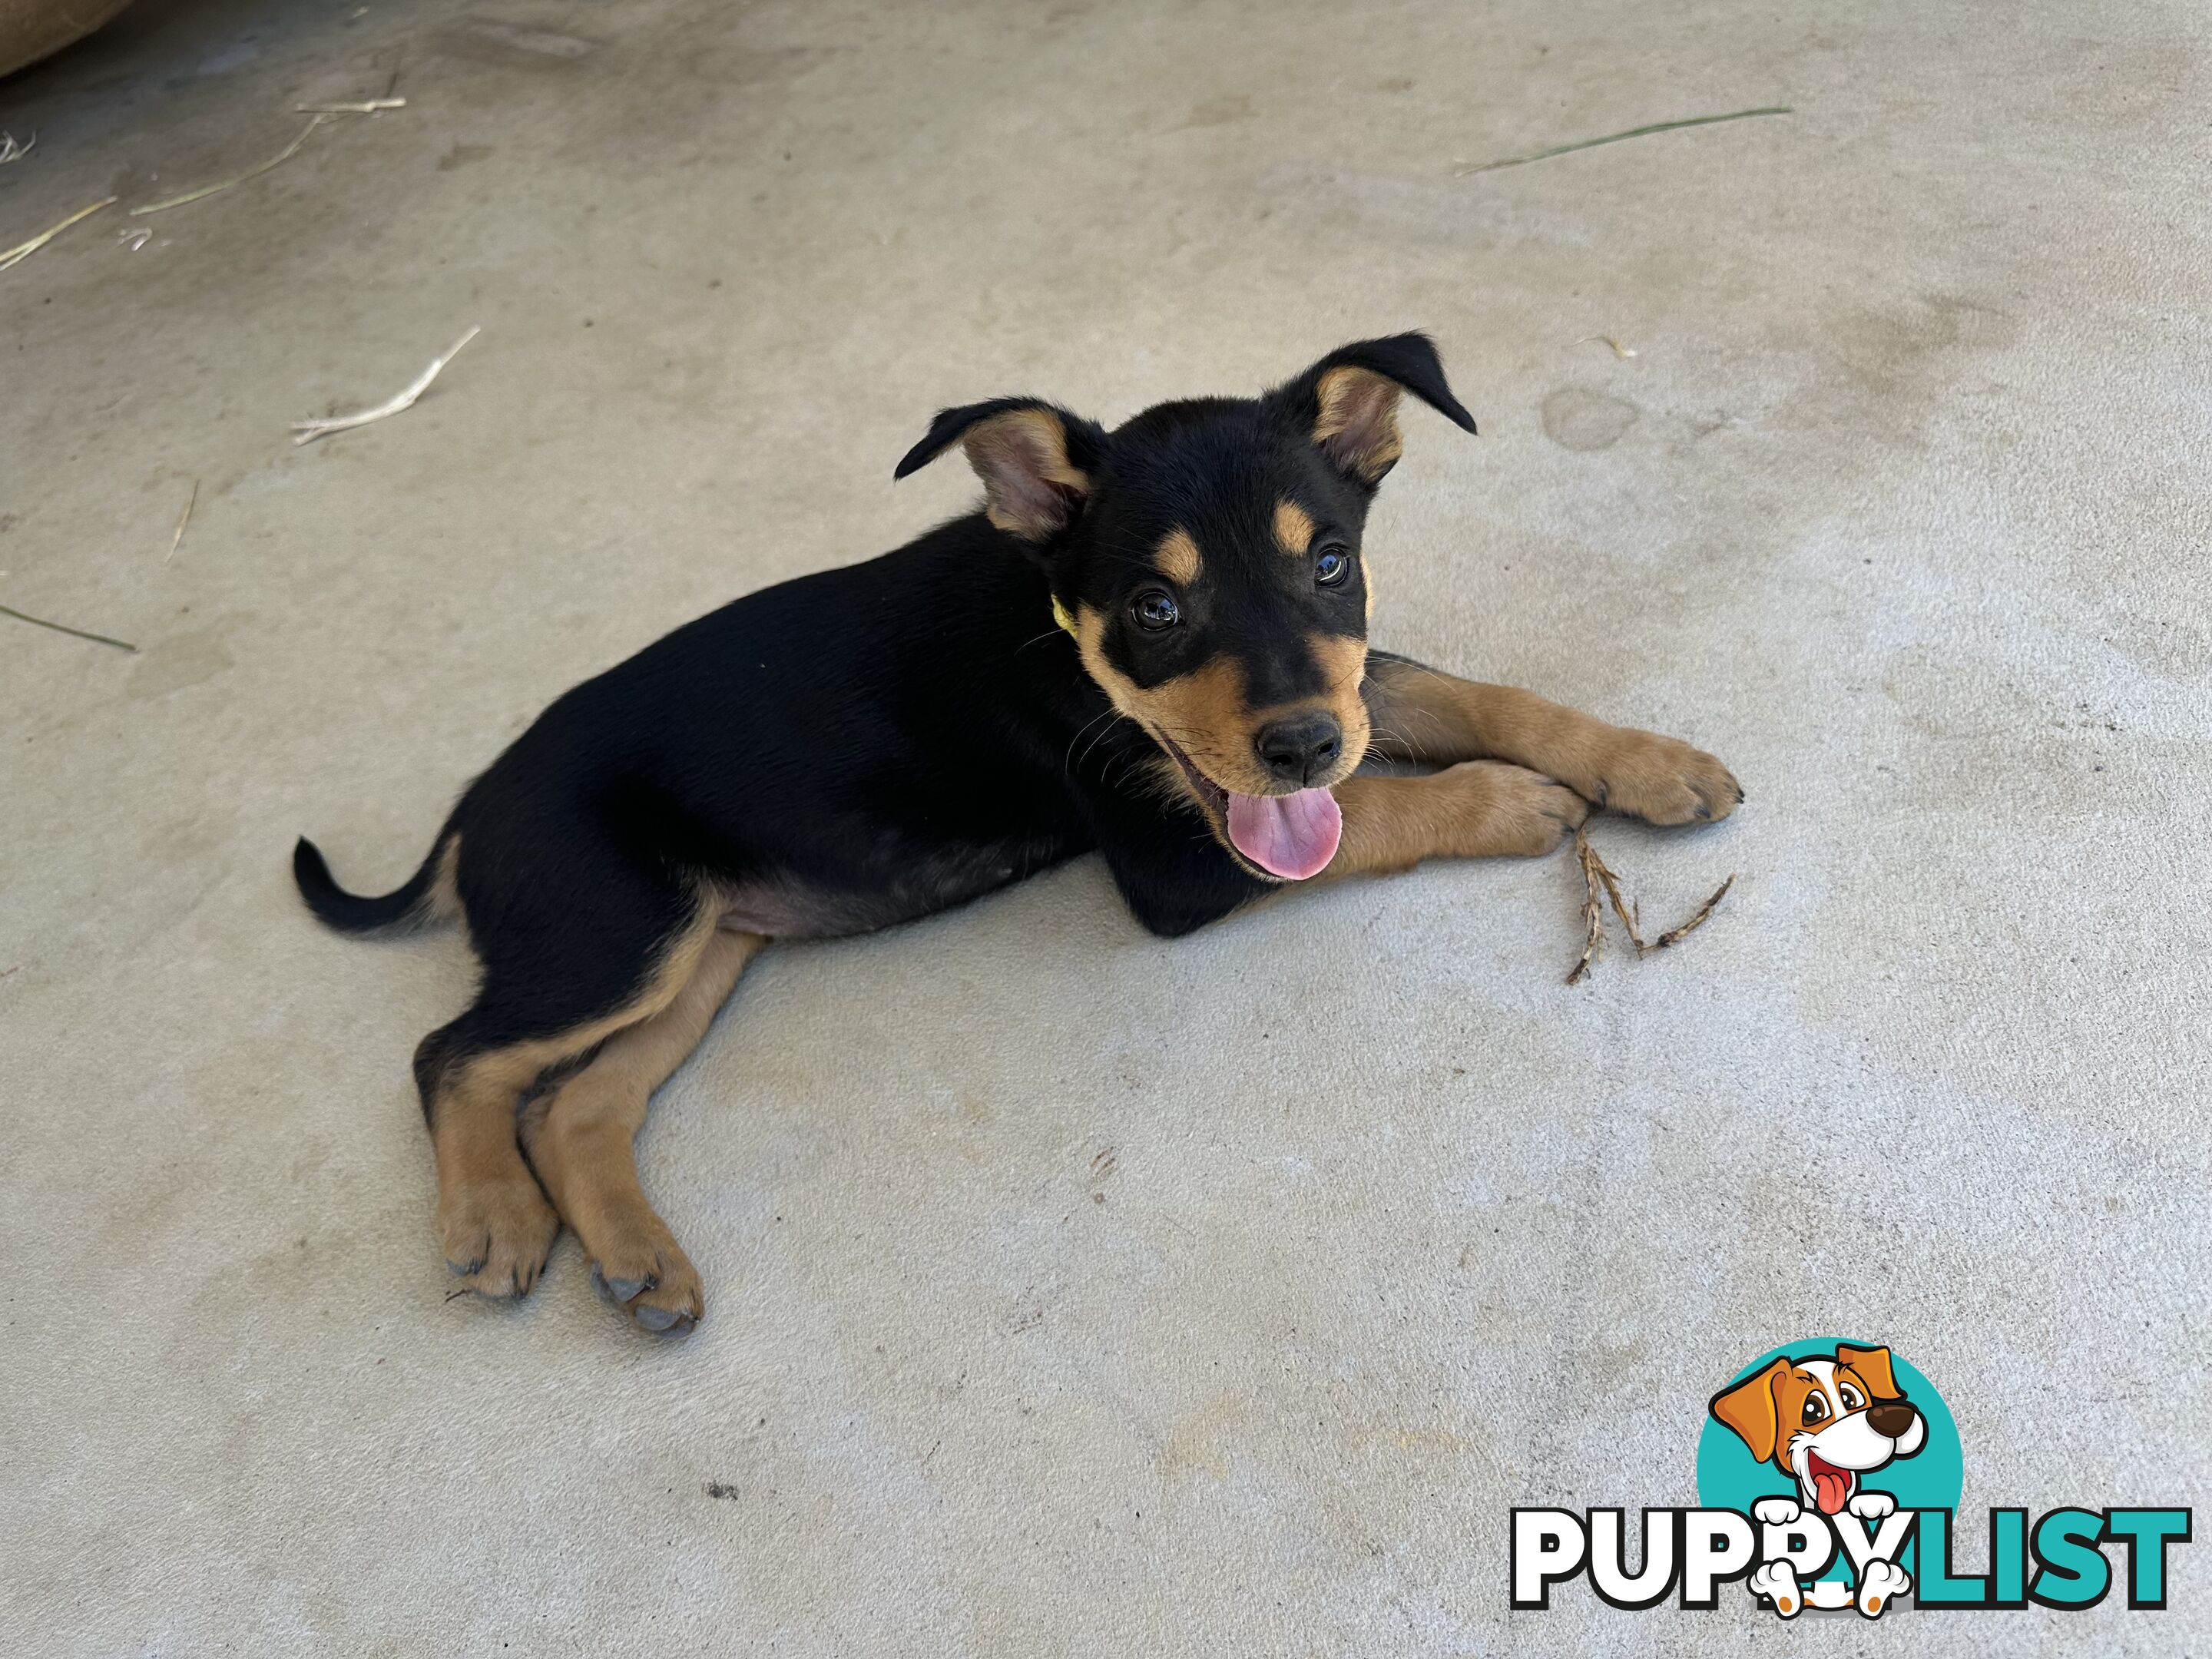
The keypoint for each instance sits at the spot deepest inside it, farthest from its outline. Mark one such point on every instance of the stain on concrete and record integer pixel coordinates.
(462, 155)
(1577, 418)
(1219, 112)
(181, 660)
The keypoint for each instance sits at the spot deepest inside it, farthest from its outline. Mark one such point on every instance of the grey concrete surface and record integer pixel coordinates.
(1070, 1291)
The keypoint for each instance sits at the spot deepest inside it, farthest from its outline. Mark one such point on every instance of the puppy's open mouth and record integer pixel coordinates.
(1291, 836)
(1832, 1486)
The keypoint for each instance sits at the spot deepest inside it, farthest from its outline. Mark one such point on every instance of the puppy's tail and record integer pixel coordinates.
(427, 896)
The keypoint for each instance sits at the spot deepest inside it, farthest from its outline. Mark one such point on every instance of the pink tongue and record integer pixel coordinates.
(1830, 1489)
(1292, 836)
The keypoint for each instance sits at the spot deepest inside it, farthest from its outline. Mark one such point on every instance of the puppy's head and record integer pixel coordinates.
(1207, 557)
(1825, 1420)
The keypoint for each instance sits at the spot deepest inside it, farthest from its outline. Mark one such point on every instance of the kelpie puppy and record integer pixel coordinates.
(1151, 642)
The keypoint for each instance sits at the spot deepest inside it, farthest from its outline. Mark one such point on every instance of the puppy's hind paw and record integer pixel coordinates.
(1882, 1582)
(496, 1234)
(1776, 1582)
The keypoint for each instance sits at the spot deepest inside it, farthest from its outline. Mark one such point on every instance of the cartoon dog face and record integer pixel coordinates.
(1824, 1420)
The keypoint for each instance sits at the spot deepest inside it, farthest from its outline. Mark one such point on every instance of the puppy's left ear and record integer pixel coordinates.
(1872, 1363)
(1035, 461)
(1347, 403)
(1748, 1408)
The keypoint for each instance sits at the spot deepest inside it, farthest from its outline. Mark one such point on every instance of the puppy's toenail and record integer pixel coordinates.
(658, 1319)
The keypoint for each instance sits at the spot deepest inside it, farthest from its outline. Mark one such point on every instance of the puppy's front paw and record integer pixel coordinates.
(1775, 1511)
(1872, 1505)
(1510, 811)
(1664, 780)
(497, 1233)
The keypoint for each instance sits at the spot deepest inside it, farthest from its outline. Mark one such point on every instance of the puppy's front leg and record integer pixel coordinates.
(1476, 810)
(1423, 716)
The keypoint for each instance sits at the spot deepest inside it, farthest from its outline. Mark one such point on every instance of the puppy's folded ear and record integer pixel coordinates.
(1872, 1365)
(1034, 459)
(1348, 401)
(1749, 1408)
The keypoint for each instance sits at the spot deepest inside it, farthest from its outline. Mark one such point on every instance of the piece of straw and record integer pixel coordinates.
(22, 251)
(1618, 349)
(366, 107)
(1593, 911)
(1464, 168)
(64, 628)
(183, 519)
(12, 151)
(1596, 876)
(1676, 935)
(309, 431)
(204, 190)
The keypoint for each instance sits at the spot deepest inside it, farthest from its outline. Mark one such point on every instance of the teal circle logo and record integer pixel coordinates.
(1764, 1432)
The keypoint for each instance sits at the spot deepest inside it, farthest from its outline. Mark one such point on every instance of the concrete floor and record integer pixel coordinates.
(1070, 1291)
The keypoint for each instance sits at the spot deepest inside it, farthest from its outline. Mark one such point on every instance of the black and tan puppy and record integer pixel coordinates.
(1151, 642)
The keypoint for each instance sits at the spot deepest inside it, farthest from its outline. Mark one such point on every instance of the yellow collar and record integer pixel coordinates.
(1060, 614)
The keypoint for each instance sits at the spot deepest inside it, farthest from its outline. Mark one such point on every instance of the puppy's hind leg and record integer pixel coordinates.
(494, 1222)
(579, 1141)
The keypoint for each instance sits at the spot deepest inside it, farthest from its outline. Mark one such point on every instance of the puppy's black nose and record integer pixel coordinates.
(1301, 748)
(1892, 1418)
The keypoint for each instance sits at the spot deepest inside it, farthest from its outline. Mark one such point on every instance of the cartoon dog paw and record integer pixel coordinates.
(1872, 1505)
(1775, 1511)
(1882, 1582)
(1777, 1582)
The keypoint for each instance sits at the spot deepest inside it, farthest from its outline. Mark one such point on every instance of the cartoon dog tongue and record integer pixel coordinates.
(1831, 1486)
(1293, 836)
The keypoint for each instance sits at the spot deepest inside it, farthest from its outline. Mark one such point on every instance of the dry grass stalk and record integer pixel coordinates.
(1676, 935)
(64, 628)
(1596, 876)
(309, 431)
(1593, 910)
(183, 519)
(1464, 168)
(12, 151)
(205, 191)
(22, 251)
(1618, 349)
(366, 107)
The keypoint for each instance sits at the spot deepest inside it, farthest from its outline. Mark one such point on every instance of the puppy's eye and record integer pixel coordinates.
(1332, 567)
(1155, 609)
(1853, 1400)
(1815, 1408)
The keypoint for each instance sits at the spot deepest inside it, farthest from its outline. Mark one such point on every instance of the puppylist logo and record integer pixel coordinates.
(1829, 1474)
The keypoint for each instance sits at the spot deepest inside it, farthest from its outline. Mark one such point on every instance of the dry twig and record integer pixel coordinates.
(289, 151)
(64, 628)
(22, 251)
(1676, 935)
(1593, 911)
(183, 519)
(1596, 876)
(1464, 168)
(309, 431)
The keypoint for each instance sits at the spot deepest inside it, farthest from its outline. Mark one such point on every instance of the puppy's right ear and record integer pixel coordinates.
(1035, 461)
(1748, 1408)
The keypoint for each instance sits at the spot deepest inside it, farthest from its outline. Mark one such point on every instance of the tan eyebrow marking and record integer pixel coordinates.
(1176, 558)
(1294, 527)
